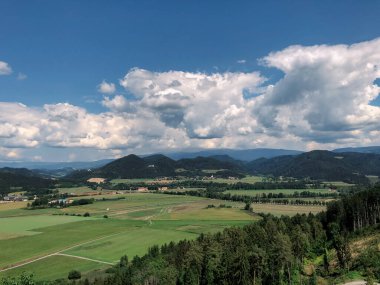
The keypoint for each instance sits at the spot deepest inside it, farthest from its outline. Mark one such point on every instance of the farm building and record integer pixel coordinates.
(142, 189)
(96, 180)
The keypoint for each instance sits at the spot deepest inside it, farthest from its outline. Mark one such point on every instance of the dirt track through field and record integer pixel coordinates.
(60, 252)
(85, 258)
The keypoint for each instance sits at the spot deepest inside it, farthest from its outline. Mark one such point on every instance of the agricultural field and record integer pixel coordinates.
(29, 225)
(5, 206)
(246, 179)
(142, 180)
(124, 204)
(289, 210)
(75, 190)
(16, 209)
(338, 184)
(52, 267)
(277, 191)
(31, 239)
(321, 199)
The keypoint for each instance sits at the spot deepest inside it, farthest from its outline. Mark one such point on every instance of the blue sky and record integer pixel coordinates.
(60, 51)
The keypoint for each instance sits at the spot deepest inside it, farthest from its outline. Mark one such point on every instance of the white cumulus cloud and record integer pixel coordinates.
(197, 103)
(323, 100)
(5, 69)
(325, 93)
(106, 88)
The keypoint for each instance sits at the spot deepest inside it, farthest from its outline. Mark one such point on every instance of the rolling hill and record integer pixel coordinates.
(158, 165)
(321, 165)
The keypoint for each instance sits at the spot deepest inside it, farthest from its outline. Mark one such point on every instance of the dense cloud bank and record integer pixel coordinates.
(322, 100)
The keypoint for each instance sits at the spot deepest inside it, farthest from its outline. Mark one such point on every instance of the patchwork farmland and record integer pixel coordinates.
(31, 239)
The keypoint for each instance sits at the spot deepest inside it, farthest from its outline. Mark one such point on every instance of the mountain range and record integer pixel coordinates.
(350, 167)
(319, 165)
(246, 155)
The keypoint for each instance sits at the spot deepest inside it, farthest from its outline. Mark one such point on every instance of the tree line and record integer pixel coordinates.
(193, 183)
(271, 198)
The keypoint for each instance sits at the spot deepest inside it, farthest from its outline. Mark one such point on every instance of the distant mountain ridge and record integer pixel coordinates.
(246, 155)
(238, 154)
(367, 149)
(55, 165)
(317, 165)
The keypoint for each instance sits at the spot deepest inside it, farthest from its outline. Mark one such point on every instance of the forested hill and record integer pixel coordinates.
(322, 165)
(23, 179)
(132, 166)
(158, 165)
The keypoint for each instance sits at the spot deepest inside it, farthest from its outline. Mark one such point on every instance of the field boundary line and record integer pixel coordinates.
(85, 258)
(21, 263)
(26, 263)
